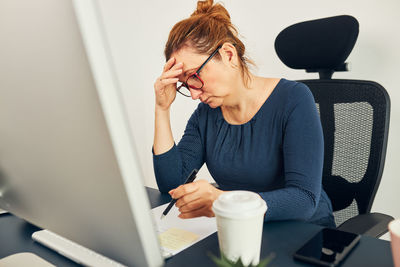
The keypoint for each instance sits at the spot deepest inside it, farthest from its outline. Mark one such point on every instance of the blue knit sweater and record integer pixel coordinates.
(278, 154)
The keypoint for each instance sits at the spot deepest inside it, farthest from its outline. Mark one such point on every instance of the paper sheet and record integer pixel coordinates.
(177, 234)
(175, 239)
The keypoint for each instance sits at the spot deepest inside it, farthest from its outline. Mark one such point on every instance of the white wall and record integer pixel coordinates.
(137, 32)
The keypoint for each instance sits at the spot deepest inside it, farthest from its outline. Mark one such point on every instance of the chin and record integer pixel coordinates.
(214, 104)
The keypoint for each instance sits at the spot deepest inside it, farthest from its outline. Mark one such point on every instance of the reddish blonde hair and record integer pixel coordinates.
(207, 28)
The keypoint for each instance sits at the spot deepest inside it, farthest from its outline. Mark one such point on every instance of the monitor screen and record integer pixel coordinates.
(67, 159)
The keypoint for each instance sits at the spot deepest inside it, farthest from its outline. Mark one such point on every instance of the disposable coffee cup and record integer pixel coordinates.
(394, 229)
(240, 217)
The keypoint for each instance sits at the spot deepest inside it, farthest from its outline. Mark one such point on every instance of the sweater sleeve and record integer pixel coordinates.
(302, 161)
(172, 167)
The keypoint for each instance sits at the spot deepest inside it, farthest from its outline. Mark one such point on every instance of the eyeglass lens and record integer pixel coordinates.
(193, 82)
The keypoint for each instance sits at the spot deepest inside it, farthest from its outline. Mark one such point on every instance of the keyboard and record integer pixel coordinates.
(72, 250)
(24, 259)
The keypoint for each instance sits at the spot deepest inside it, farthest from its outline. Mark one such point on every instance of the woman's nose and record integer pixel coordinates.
(195, 94)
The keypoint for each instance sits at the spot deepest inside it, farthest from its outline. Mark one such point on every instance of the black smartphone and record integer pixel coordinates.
(328, 247)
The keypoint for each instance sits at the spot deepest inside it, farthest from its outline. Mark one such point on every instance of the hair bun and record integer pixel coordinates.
(217, 11)
(203, 7)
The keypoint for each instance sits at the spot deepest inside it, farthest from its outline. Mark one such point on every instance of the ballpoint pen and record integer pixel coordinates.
(189, 179)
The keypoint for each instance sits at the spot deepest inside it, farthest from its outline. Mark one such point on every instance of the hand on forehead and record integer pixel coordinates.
(190, 59)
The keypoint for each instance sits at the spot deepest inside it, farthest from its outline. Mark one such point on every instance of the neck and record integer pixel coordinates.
(244, 101)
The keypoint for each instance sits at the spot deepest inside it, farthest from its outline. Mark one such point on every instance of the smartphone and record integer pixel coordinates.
(328, 247)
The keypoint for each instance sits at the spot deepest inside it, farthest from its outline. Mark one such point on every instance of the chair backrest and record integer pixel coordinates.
(354, 113)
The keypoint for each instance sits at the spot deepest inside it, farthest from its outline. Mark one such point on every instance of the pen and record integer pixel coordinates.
(189, 179)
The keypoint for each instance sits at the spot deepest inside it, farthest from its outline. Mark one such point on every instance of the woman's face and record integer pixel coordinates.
(216, 75)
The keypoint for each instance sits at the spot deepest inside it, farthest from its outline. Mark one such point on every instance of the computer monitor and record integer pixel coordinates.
(67, 158)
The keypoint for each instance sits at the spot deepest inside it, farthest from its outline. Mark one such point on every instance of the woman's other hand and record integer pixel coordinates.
(195, 199)
(165, 85)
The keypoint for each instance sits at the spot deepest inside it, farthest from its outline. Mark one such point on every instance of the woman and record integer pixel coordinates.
(254, 133)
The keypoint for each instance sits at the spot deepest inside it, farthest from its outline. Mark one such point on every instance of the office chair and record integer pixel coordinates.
(354, 116)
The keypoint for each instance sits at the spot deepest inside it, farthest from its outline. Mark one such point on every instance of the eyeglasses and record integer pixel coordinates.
(194, 81)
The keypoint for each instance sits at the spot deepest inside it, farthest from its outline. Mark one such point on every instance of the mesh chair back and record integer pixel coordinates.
(355, 120)
(354, 114)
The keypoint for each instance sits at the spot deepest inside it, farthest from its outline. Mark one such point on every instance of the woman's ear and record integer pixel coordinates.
(229, 55)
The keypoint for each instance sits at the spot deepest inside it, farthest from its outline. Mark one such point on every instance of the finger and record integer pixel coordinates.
(167, 81)
(186, 199)
(184, 189)
(169, 64)
(188, 206)
(192, 213)
(178, 65)
(171, 73)
(204, 211)
(161, 83)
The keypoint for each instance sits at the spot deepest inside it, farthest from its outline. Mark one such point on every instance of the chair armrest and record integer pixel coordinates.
(371, 224)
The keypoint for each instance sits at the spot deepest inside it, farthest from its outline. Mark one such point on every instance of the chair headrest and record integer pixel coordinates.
(317, 44)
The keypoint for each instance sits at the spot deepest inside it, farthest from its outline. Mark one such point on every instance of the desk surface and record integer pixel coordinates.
(281, 238)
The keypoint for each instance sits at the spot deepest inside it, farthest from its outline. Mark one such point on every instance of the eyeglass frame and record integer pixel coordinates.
(196, 75)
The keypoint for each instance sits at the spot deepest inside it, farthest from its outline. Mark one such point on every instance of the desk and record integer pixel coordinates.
(282, 238)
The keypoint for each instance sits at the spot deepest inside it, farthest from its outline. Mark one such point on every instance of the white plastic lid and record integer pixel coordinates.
(239, 205)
